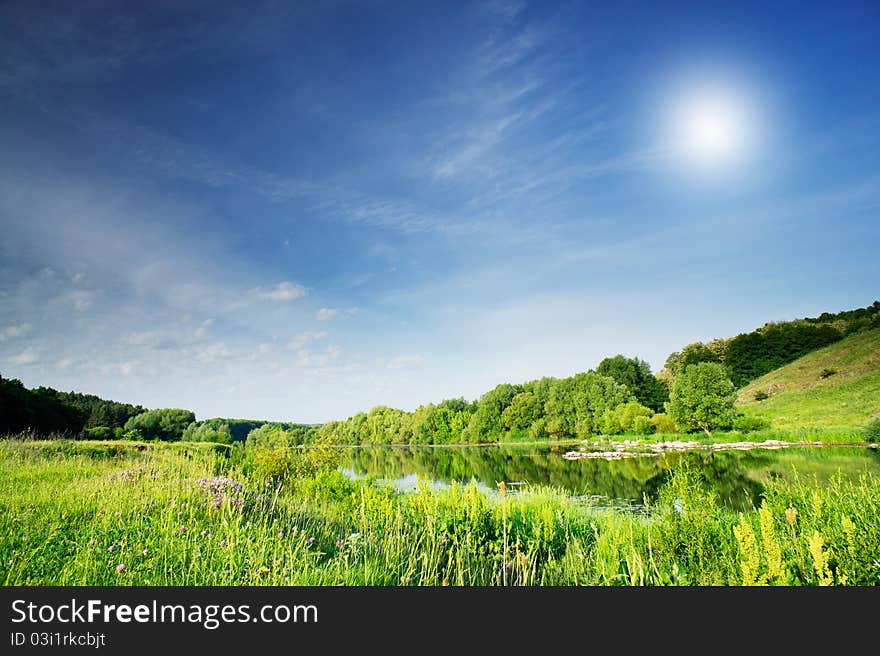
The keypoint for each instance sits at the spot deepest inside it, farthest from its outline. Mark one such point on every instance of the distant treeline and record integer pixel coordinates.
(621, 395)
(229, 431)
(44, 410)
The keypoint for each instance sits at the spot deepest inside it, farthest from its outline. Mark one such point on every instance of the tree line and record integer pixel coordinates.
(748, 356)
(694, 391)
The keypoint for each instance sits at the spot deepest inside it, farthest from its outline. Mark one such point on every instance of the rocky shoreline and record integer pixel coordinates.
(636, 449)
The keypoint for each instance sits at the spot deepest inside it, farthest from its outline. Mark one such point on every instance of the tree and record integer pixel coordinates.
(622, 419)
(162, 424)
(703, 397)
(523, 411)
(636, 375)
(576, 404)
(486, 423)
(691, 354)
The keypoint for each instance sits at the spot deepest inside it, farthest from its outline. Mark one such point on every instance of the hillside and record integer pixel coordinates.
(800, 397)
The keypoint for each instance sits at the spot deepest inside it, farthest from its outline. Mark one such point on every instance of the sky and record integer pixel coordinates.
(298, 211)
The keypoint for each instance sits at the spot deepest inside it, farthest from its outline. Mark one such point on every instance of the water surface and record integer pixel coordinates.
(738, 477)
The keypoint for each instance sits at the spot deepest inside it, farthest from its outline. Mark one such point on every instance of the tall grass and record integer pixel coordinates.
(80, 515)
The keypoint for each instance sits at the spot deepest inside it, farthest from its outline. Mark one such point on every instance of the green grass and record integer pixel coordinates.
(72, 513)
(800, 397)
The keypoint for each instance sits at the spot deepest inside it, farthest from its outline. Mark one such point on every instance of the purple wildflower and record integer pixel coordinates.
(120, 567)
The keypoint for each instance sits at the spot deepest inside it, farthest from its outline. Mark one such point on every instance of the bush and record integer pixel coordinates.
(663, 424)
(761, 395)
(99, 433)
(827, 372)
(872, 431)
(270, 466)
(750, 424)
(642, 426)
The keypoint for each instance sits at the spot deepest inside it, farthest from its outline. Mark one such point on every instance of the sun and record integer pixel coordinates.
(711, 128)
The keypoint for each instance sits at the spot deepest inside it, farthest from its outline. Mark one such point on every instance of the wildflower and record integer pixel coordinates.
(248, 523)
(791, 515)
(144, 552)
(120, 567)
(405, 580)
(311, 539)
(210, 536)
(339, 544)
(110, 548)
(204, 533)
(222, 543)
(183, 529)
(118, 514)
(280, 534)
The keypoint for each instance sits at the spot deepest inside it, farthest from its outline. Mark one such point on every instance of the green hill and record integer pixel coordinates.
(835, 386)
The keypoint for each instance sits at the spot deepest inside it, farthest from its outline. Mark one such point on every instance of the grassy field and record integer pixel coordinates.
(806, 394)
(78, 513)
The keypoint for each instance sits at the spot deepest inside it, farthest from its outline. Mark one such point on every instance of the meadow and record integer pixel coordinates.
(124, 513)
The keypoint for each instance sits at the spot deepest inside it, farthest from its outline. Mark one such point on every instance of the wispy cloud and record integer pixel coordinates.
(326, 314)
(312, 359)
(405, 362)
(281, 292)
(213, 352)
(306, 337)
(202, 330)
(11, 332)
(29, 355)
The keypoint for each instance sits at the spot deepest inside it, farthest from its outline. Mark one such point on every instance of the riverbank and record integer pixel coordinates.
(639, 449)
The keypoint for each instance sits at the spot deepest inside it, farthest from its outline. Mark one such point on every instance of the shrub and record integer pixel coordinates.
(663, 424)
(642, 425)
(750, 424)
(761, 395)
(872, 430)
(827, 372)
(270, 466)
(99, 433)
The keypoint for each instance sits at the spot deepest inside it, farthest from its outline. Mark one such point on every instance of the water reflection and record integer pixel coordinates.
(737, 477)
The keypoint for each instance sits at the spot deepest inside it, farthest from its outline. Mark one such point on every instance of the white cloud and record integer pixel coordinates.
(64, 363)
(81, 300)
(213, 353)
(280, 293)
(10, 332)
(262, 349)
(405, 362)
(304, 338)
(27, 356)
(325, 314)
(202, 330)
(309, 359)
(145, 338)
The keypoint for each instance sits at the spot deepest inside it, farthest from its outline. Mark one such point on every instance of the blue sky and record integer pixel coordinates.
(299, 211)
